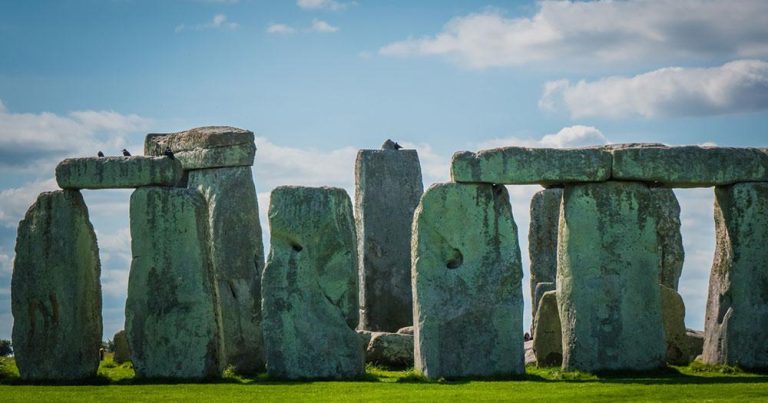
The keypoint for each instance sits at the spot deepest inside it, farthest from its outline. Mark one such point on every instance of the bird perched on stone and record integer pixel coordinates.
(126, 153)
(390, 145)
(168, 153)
(100, 154)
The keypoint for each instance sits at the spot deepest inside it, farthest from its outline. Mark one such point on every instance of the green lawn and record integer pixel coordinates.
(693, 383)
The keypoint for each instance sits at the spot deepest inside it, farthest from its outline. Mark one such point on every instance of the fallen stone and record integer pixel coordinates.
(56, 291)
(547, 337)
(387, 190)
(673, 315)
(524, 166)
(405, 330)
(690, 166)
(695, 342)
(736, 325)
(390, 349)
(205, 147)
(608, 278)
(238, 260)
(170, 313)
(667, 212)
(117, 172)
(542, 239)
(122, 351)
(467, 283)
(310, 286)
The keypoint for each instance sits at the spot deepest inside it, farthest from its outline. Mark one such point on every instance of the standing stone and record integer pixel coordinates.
(55, 290)
(388, 189)
(467, 274)
(736, 326)
(608, 278)
(309, 288)
(667, 211)
(673, 315)
(122, 352)
(542, 239)
(547, 337)
(238, 259)
(170, 313)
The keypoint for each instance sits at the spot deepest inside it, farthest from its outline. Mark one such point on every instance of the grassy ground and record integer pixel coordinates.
(692, 383)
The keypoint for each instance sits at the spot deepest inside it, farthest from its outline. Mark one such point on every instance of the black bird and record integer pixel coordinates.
(126, 153)
(100, 154)
(168, 153)
(398, 146)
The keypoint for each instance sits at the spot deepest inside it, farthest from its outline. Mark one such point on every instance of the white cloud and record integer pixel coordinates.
(280, 29)
(322, 26)
(738, 86)
(15, 202)
(567, 137)
(600, 31)
(321, 5)
(6, 264)
(219, 21)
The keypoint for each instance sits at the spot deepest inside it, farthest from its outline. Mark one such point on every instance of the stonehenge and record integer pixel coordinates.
(117, 172)
(542, 241)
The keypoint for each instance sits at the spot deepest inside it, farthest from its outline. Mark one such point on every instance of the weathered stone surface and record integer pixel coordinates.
(122, 351)
(388, 189)
(310, 286)
(671, 252)
(467, 277)
(690, 166)
(542, 239)
(117, 172)
(205, 147)
(170, 314)
(55, 290)
(547, 337)
(608, 278)
(530, 358)
(695, 342)
(736, 323)
(673, 316)
(539, 291)
(522, 166)
(390, 349)
(238, 259)
(406, 330)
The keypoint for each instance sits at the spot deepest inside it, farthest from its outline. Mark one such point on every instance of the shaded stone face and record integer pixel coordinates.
(671, 252)
(122, 351)
(388, 189)
(56, 291)
(389, 349)
(310, 286)
(542, 239)
(467, 277)
(238, 259)
(117, 172)
(608, 278)
(736, 327)
(673, 315)
(205, 147)
(525, 166)
(547, 337)
(170, 314)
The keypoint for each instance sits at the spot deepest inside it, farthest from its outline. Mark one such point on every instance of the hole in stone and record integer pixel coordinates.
(455, 260)
(296, 247)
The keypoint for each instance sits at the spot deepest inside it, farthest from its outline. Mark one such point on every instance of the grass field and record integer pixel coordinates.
(693, 383)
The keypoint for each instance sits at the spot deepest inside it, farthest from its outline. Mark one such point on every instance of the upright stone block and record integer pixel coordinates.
(55, 290)
(117, 172)
(205, 147)
(671, 252)
(170, 314)
(673, 316)
(388, 189)
(547, 336)
(542, 239)
(608, 278)
(122, 351)
(310, 286)
(736, 327)
(468, 305)
(238, 259)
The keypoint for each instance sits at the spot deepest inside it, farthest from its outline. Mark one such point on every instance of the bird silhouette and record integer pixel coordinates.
(168, 153)
(398, 146)
(100, 154)
(126, 153)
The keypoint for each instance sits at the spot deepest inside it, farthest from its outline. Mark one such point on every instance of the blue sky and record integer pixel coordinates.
(318, 79)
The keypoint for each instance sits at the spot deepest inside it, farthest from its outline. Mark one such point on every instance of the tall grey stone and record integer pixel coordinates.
(238, 259)
(310, 286)
(205, 147)
(388, 189)
(467, 274)
(56, 291)
(117, 172)
(547, 336)
(673, 316)
(608, 278)
(736, 326)
(170, 314)
(542, 239)
(122, 351)
(667, 211)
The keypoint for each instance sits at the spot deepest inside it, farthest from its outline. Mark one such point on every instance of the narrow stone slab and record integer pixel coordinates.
(238, 259)
(523, 166)
(387, 190)
(310, 286)
(690, 166)
(736, 326)
(667, 211)
(170, 312)
(673, 315)
(467, 274)
(547, 337)
(542, 239)
(55, 290)
(608, 278)
(205, 147)
(117, 172)
(122, 351)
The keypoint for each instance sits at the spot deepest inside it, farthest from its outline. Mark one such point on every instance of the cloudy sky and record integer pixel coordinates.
(316, 80)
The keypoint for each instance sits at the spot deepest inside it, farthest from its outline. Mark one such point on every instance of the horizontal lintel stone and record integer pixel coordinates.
(117, 172)
(205, 147)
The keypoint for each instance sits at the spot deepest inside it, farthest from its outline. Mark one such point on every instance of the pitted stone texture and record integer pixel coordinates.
(736, 323)
(388, 189)
(55, 290)
(690, 166)
(467, 275)
(390, 349)
(673, 315)
(547, 337)
(205, 147)
(170, 313)
(523, 166)
(117, 172)
(122, 351)
(238, 259)
(310, 286)
(608, 278)
(667, 212)
(542, 239)
(695, 342)
(405, 330)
